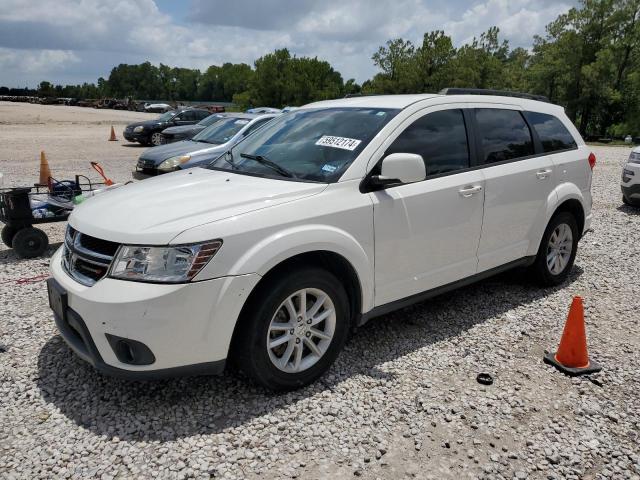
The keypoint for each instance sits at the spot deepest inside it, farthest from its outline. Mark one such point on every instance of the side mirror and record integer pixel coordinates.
(400, 168)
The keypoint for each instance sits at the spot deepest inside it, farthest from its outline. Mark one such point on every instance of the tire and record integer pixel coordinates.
(7, 235)
(266, 313)
(30, 242)
(157, 139)
(629, 202)
(563, 224)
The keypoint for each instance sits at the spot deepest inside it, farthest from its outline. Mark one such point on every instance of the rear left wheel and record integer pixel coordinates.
(557, 250)
(293, 329)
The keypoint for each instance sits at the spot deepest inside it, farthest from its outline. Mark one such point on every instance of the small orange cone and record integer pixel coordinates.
(45, 172)
(572, 357)
(113, 138)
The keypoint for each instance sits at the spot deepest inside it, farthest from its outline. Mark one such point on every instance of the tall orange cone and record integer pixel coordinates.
(45, 172)
(113, 138)
(572, 357)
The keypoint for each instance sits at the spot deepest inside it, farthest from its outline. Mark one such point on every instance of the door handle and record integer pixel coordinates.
(542, 174)
(467, 192)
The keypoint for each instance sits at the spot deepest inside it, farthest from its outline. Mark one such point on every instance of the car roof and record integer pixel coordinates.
(403, 101)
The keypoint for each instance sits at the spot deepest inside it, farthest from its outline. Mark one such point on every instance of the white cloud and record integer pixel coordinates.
(79, 40)
(39, 61)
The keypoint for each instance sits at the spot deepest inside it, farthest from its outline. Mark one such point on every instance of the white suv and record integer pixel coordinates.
(631, 179)
(328, 216)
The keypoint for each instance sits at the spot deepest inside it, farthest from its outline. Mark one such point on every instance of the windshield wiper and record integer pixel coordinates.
(274, 166)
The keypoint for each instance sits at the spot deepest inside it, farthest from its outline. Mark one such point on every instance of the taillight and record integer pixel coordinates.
(592, 160)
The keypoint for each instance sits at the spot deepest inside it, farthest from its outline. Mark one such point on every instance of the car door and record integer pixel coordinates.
(518, 184)
(184, 118)
(427, 233)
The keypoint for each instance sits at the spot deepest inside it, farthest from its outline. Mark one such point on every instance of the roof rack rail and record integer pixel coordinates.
(354, 95)
(501, 93)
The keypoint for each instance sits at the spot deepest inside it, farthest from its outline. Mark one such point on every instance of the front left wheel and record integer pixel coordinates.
(157, 139)
(293, 329)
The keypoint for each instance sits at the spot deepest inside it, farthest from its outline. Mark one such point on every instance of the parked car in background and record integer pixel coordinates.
(203, 148)
(264, 110)
(324, 218)
(157, 107)
(185, 132)
(149, 132)
(631, 179)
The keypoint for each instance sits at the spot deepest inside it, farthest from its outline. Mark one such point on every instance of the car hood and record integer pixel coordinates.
(160, 153)
(148, 123)
(156, 210)
(182, 129)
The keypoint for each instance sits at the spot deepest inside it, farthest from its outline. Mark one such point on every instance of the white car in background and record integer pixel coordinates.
(631, 179)
(327, 216)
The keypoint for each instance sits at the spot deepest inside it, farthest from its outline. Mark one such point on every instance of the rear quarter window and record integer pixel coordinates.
(552, 133)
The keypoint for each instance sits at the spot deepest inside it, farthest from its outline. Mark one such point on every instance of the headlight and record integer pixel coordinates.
(138, 129)
(170, 164)
(174, 264)
(634, 157)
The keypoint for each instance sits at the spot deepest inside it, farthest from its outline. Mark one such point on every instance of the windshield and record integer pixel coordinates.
(166, 116)
(314, 145)
(221, 132)
(210, 120)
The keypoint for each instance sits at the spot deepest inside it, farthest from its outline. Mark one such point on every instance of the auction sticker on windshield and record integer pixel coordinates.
(338, 142)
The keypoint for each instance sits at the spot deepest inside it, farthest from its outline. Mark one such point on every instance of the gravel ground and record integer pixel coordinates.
(401, 401)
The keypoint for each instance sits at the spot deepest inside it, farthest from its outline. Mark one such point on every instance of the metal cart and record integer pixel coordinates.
(18, 215)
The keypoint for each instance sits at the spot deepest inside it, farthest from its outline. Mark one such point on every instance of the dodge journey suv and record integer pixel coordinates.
(329, 215)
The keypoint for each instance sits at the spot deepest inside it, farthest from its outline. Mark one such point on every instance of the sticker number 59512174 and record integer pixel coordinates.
(338, 142)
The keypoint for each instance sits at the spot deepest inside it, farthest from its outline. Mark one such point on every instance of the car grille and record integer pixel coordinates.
(86, 259)
(146, 166)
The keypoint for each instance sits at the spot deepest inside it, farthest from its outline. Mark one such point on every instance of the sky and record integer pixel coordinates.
(75, 41)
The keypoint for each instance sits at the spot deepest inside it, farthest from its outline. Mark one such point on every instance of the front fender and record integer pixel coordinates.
(272, 250)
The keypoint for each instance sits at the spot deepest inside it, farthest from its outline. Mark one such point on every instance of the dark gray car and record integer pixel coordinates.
(204, 147)
(186, 132)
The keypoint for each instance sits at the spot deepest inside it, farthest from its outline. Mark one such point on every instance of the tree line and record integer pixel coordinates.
(588, 60)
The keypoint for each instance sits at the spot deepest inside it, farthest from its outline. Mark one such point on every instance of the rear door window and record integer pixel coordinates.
(504, 135)
(440, 138)
(553, 135)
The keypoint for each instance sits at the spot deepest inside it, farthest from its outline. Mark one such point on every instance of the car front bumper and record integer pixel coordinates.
(630, 184)
(135, 137)
(187, 328)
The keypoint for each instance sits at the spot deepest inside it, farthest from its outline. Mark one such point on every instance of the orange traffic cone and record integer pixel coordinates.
(45, 172)
(113, 138)
(572, 357)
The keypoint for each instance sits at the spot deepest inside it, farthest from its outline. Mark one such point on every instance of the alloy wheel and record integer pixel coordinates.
(157, 139)
(301, 330)
(559, 249)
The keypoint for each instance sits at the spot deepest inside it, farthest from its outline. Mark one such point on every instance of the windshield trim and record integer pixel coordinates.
(264, 175)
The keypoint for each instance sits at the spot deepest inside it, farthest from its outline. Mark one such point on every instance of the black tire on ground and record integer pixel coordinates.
(7, 235)
(30, 242)
(540, 268)
(249, 350)
(630, 203)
